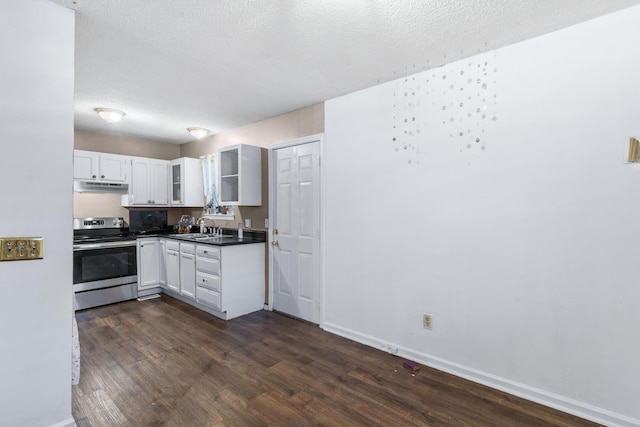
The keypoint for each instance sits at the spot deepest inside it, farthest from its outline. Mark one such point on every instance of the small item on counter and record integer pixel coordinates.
(240, 230)
(202, 227)
(184, 226)
(411, 365)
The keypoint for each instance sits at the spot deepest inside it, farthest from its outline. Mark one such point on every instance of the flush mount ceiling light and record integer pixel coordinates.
(198, 133)
(110, 115)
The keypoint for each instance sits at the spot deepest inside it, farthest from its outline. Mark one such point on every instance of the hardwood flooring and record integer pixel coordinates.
(161, 362)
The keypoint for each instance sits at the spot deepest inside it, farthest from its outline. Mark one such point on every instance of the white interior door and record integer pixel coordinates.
(295, 246)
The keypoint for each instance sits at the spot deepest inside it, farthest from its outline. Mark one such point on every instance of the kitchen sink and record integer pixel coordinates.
(211, 237)
(204, 238)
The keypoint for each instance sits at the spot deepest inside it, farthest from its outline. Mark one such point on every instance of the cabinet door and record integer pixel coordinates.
(148, 256)
(187, 275)
(176, 181)
(139, 193)
(240, 175)
(85, 164)
(113, 168)
(162, 265)
(173, 270)
(148, 182)
(158, 183)
(192, 185)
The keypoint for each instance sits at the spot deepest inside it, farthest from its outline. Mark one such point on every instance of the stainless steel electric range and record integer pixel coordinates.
(104, 262)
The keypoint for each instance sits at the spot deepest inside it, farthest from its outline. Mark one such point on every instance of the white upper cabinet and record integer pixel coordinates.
(185, 185)
(149, 183)
(240, 175)
(90, 165)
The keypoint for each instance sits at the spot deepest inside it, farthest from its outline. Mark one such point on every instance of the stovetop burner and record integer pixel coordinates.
(101, 239)
(100, 230)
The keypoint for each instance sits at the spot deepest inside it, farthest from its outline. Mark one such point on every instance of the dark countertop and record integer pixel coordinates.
(231, 239)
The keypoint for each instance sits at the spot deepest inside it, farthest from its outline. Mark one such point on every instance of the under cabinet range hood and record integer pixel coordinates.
(81, 186)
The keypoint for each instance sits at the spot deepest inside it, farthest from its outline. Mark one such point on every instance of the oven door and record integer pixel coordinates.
(98, 265)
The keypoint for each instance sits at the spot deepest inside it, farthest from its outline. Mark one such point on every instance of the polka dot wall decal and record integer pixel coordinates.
(448, 100)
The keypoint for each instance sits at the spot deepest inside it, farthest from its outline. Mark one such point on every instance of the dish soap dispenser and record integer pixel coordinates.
(240, 230)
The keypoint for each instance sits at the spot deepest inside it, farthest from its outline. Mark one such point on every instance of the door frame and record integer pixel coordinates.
(272, 191)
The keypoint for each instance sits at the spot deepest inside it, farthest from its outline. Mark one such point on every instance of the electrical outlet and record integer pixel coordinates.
(247, 223)
(427, 321)
(21, 248)
(266, 223)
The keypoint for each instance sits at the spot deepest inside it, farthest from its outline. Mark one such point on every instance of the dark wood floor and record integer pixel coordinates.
(162, 362)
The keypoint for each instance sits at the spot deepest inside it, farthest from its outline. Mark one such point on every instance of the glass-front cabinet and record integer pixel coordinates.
(185, 182)
(176, 183)
(241, 175)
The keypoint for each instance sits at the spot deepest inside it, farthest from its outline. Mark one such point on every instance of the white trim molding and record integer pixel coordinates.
(552, 400)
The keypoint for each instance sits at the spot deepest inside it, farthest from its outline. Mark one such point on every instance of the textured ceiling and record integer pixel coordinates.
(221, 64)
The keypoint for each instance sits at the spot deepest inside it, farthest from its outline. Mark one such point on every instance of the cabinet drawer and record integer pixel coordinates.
(211, 266)
(172, 245)
(208, 297)
(187, 248)
(208, 251)
(208, 281)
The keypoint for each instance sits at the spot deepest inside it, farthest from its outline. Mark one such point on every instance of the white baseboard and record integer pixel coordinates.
(524, 391)
(69, 422)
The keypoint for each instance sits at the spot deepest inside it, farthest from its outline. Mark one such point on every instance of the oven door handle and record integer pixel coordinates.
(104, 245)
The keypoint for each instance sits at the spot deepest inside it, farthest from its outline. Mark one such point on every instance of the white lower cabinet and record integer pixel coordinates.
(187, 270)
(162, 279)
(226, 281)
(173, 266)
(208, 276)
(230, 279)
(148, 263)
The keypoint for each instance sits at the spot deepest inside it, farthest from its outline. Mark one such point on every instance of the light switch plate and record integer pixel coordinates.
(21, 248)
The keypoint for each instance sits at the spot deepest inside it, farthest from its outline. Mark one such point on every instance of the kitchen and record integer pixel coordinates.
(565, 182)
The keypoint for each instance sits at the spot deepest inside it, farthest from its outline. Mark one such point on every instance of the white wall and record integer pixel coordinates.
(36, 143)
(526, 251)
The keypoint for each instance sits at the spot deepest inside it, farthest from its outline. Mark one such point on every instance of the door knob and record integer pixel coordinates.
(275, 243)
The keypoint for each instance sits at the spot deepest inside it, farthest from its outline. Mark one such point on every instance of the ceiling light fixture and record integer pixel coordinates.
(198, 133)
(110, 115)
